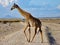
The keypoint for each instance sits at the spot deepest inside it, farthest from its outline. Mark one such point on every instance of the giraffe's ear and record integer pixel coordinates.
(14, 4)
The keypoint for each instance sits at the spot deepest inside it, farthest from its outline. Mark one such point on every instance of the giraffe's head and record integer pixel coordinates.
(14, 6)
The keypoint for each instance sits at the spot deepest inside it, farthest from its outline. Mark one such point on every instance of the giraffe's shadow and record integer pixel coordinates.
(51, 39)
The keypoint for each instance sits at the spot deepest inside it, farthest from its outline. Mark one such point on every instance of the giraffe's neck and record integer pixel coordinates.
(23, 13)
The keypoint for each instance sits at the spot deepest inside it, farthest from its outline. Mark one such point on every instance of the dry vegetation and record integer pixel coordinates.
(51, 20)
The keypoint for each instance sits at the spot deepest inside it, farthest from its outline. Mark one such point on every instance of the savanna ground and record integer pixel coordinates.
(11, 33)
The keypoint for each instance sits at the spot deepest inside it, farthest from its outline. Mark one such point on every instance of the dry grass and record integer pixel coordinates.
(51, 20)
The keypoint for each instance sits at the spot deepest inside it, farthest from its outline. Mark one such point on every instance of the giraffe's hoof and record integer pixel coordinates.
(41, 41)
(28, 40)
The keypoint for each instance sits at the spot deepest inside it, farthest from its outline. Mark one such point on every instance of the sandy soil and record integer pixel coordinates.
(12, 34)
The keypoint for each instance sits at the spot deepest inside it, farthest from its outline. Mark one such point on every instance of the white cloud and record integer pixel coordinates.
(5, 3)
(58, 6)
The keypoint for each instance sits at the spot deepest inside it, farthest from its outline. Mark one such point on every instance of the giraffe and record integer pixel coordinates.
(32, 22)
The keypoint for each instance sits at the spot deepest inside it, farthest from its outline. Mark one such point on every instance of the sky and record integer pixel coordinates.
(38, 8)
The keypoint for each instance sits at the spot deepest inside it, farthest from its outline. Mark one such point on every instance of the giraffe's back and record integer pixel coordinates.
(35, 22)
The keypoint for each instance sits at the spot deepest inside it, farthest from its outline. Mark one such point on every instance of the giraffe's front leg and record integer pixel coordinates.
(25, 33)
(29, 32)
(34, 33)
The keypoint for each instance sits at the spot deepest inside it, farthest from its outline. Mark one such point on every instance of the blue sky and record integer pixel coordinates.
(38, 8)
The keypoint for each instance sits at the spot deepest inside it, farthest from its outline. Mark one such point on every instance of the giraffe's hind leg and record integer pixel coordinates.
(41, 35)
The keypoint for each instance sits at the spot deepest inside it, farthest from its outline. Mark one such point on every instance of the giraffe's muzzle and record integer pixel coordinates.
(11, 8)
